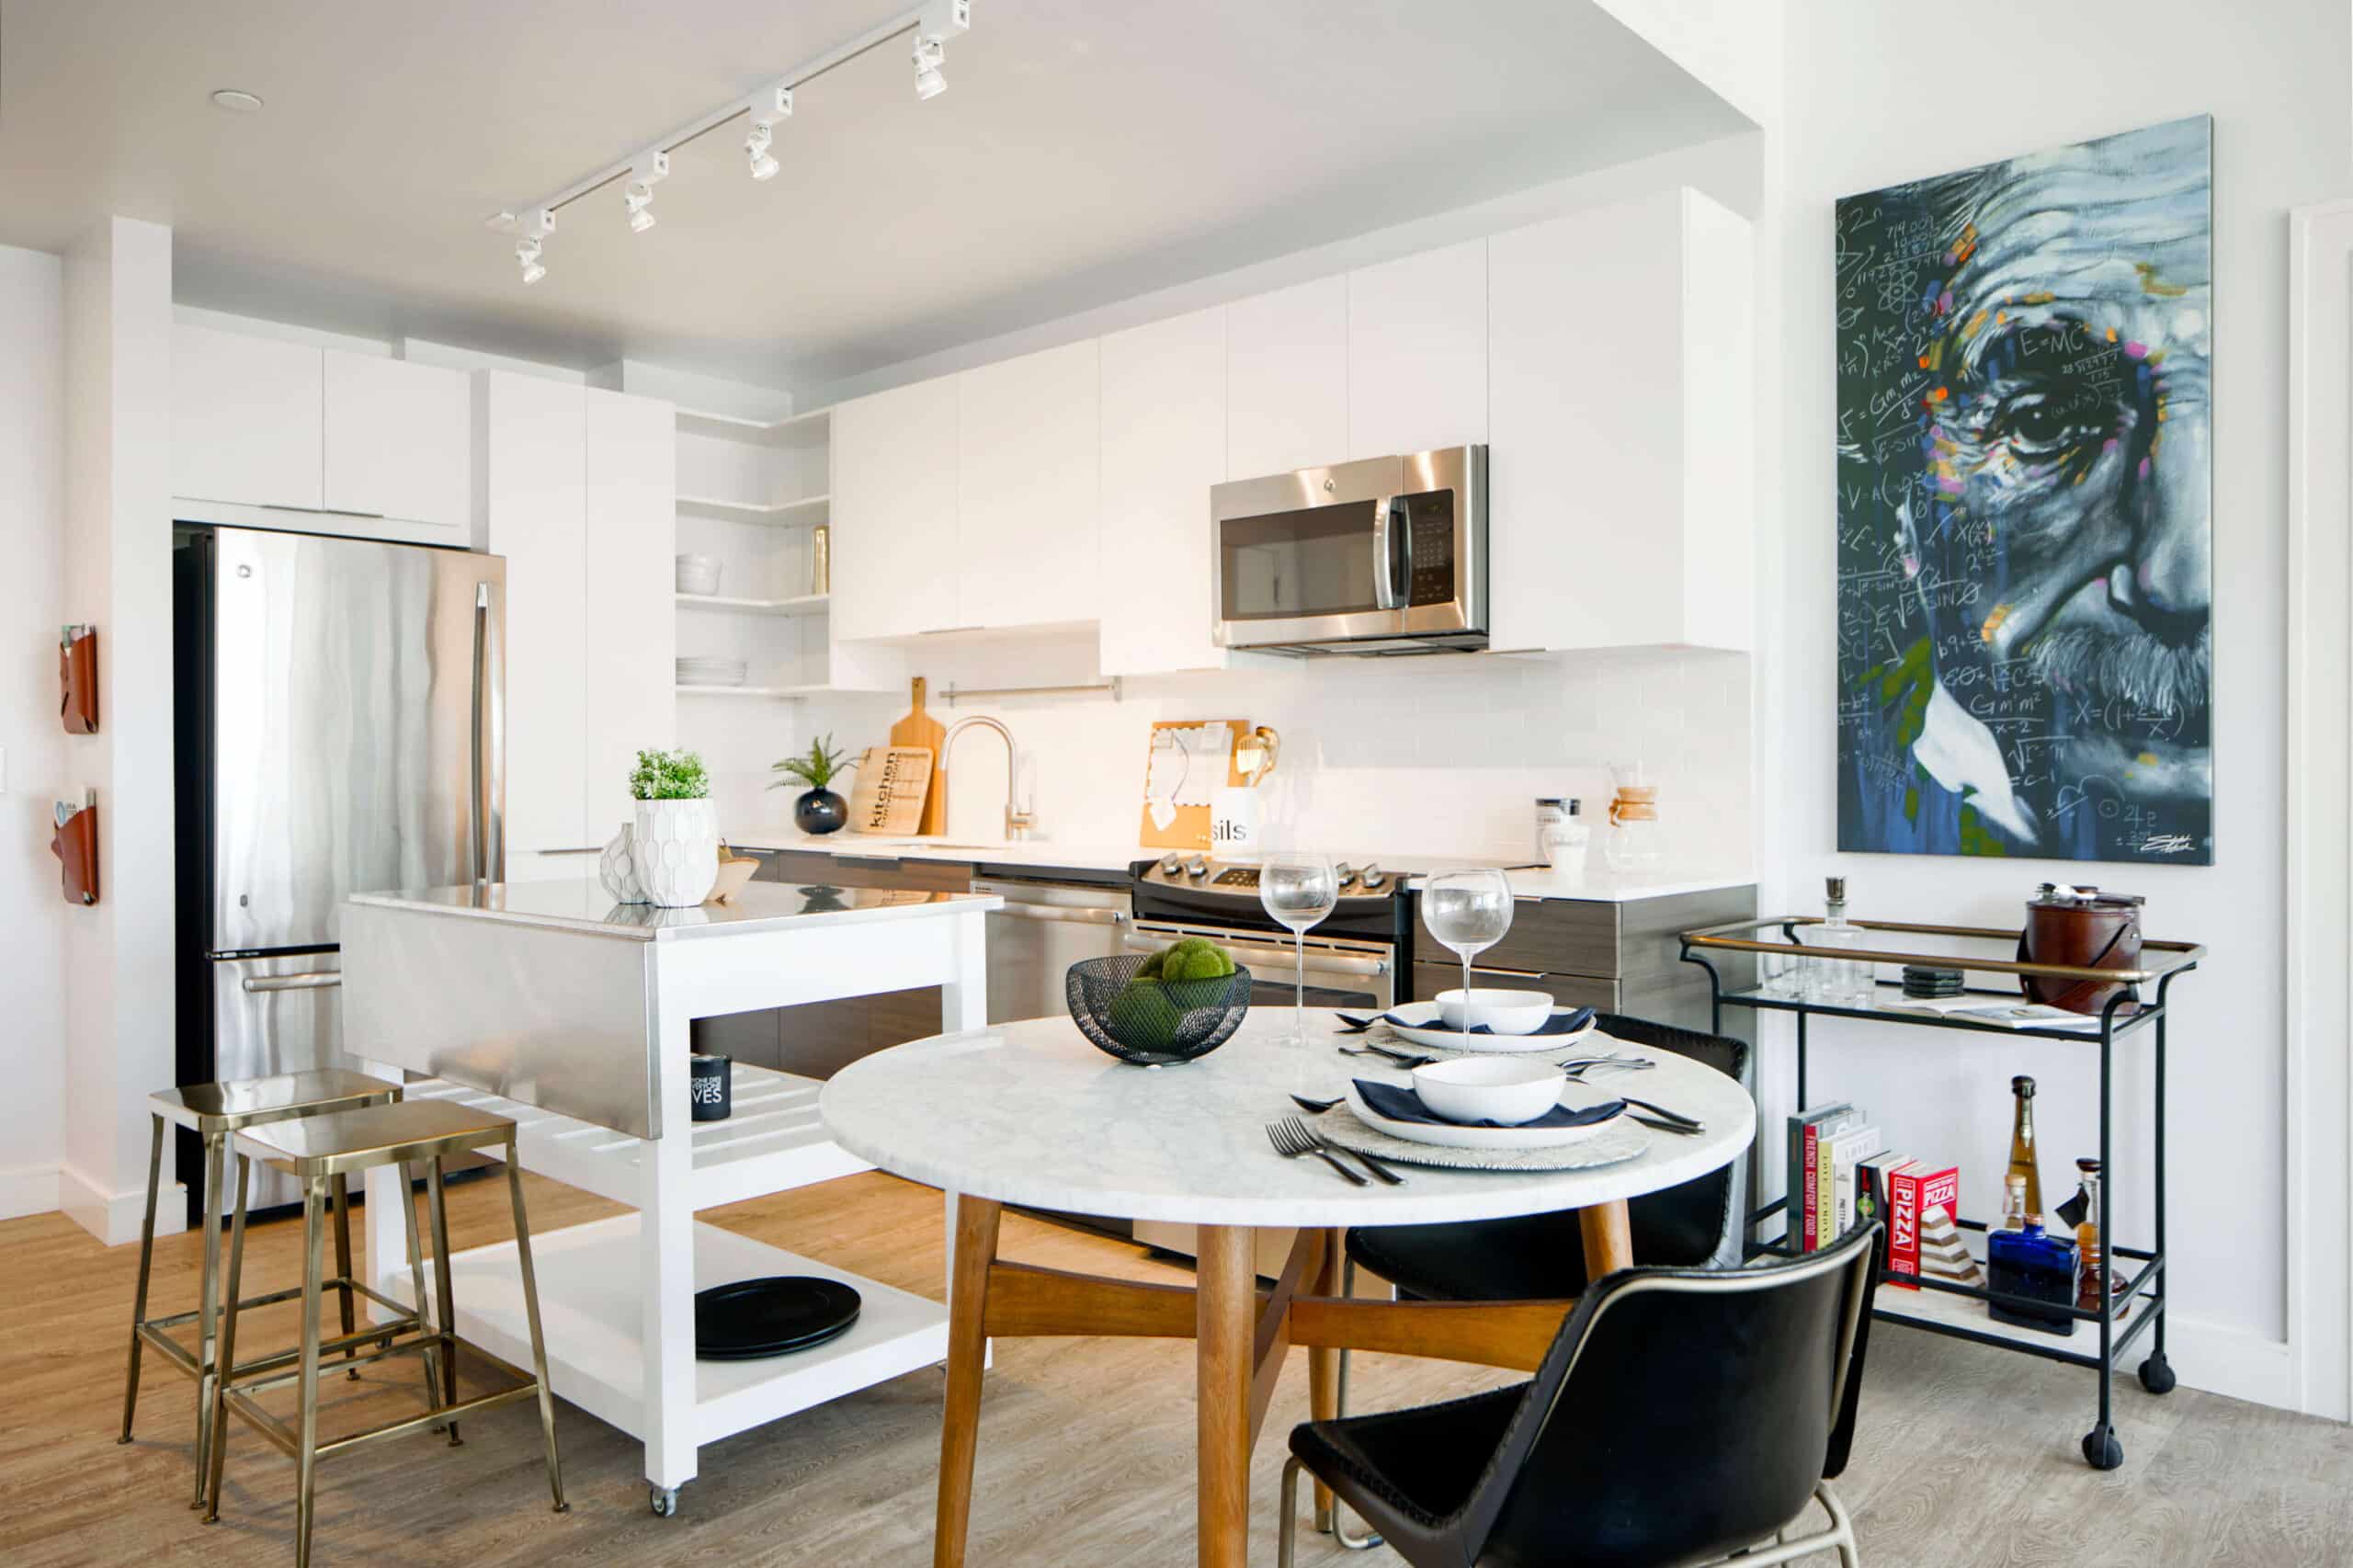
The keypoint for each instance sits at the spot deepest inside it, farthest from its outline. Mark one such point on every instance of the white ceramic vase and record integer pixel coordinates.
(676, 851)
(617, 868)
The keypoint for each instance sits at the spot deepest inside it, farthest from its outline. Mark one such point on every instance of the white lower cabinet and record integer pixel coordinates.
(1163, 445)
(1622, 468)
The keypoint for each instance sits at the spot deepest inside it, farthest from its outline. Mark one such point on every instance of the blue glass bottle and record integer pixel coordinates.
(2031, 1263)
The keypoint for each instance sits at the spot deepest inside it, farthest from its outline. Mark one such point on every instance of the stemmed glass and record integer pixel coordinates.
(1469, 911)
(1297, 890)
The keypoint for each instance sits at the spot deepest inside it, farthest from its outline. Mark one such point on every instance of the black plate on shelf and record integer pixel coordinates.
(753, 1319)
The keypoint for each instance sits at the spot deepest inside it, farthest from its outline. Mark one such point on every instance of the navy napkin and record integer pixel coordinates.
(1559, 1023)
(1403, 1105)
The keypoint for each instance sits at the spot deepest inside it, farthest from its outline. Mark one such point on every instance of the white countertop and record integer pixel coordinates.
(1598, 885)
(1030, 1113)
(585, 905)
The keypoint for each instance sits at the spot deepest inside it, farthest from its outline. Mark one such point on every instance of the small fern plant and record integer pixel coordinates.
(668, 776)
(818, 767)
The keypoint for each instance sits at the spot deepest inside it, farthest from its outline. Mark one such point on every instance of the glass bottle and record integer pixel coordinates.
(1839, 982)
(2032, 1264)
(1636, 842)
(2022, 1144)
(2012, 1204)
(2095, 1277)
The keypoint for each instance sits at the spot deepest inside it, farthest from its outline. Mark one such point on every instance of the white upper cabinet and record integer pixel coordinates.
(246, 419)
(1622, 494)
(1163, 445)
(1287, 380)
(895, 527)
(629, 658)
(1417, 352)
(397, 440)
(1028, 482)
(531, 454)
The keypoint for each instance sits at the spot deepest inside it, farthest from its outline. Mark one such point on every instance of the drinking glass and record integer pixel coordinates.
(1468, 910)
(1298, 890)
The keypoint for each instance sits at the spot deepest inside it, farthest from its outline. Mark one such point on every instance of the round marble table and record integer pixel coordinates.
(1030, 1113)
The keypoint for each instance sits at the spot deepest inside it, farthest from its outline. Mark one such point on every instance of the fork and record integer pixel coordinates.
(1293, 1124)
(1290, 1144)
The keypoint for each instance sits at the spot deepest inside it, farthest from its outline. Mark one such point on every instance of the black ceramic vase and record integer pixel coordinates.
(819, 811)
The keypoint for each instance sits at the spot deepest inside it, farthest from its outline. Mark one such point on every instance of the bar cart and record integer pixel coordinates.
(1948, 1307)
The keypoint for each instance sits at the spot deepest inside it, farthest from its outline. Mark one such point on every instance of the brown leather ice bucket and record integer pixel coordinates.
(2083, 928)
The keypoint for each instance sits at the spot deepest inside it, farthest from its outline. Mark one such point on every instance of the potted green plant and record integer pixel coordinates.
(674, 846)
(817, 810)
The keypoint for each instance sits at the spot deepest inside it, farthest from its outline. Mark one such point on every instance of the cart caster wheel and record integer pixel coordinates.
(2101, 1450)
(2156, 1374)
(663, 1500)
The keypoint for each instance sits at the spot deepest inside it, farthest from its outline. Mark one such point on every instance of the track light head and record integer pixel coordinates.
(527, 255)
(928, 55)
(637, 200)
(756, 149)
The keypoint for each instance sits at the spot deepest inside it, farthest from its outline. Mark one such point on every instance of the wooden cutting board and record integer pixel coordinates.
(892, 784)
(920, 729)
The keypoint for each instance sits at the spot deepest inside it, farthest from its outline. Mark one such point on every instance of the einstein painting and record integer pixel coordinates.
(2025, 593)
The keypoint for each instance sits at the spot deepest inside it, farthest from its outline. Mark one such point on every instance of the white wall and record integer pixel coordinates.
(33, 509)
(1873, 99)
(118, 958)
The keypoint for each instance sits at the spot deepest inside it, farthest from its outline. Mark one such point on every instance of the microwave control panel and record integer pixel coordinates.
(1431, 519)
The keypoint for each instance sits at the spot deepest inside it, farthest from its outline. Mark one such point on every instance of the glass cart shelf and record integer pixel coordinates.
(1942, 1306)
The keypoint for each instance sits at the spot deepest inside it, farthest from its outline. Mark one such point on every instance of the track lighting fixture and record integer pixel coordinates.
(928, 23)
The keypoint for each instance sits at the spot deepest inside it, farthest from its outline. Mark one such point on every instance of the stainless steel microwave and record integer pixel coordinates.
(1388, 555)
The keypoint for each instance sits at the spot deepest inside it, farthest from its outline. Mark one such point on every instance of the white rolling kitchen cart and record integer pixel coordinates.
(550, 1004)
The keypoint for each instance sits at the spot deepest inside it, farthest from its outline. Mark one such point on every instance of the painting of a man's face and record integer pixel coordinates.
(2024, 506)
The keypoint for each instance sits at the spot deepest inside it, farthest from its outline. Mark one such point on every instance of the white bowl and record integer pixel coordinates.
(1506, 1089)
(699, 575)
(1505, 1012)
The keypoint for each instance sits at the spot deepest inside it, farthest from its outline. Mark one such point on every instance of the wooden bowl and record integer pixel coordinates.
(733, 875)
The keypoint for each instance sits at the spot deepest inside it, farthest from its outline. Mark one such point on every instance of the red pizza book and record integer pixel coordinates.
(1911, 1190)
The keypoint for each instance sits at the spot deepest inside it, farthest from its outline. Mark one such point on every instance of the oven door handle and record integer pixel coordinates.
(1063, 914)
(1323, 960)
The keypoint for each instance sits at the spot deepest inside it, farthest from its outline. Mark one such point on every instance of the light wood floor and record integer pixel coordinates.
(1968, 1455)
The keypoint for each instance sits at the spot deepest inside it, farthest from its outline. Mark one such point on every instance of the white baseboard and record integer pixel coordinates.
(2226, 1360)
(28, 1190)
(115, 1216)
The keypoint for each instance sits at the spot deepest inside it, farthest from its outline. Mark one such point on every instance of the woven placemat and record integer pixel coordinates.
(1619, 1140)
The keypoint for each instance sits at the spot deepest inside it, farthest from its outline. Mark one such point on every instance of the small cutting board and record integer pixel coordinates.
(891, 783)
(920, 729)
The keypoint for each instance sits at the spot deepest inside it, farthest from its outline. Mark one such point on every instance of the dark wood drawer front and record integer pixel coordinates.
(1568, 990)
(805, 867)
(1549, 935)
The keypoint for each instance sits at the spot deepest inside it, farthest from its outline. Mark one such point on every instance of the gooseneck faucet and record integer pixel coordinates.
(1017, 822)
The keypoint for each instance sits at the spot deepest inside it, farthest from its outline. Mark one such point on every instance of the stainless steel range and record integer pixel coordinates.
(1354, 957)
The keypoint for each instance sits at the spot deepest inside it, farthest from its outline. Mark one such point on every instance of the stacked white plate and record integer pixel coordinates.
(699, 575)
(711, 672)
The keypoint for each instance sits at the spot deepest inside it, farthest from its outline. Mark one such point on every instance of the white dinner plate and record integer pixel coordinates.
(1427, 1029)
(1445, 1135)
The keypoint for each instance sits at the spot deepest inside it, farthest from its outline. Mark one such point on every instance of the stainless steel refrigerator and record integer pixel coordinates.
(340, 727)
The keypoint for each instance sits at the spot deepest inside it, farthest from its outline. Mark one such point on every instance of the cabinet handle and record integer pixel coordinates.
(320, 511)
(1073, 915)
(1478, 968)
(947, 631)
(318, 980)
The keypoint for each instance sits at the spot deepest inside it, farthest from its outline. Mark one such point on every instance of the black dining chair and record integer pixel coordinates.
(1540, 1257)
(1681, 1416)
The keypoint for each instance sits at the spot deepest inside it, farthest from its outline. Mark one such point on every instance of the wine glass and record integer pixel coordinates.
(1469, 911)
(1297, 890)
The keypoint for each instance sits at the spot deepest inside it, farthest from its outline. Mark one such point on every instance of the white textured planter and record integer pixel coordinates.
(617, 868)
(676, 851)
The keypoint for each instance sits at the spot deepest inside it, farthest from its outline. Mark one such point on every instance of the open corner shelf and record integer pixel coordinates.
(804, 604)
(807, 512)
(791, 430)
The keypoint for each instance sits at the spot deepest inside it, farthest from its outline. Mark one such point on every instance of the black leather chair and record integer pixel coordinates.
(1682, 1416)
(1537, 1257)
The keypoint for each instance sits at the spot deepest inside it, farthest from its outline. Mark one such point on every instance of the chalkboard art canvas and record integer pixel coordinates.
(2025, 479)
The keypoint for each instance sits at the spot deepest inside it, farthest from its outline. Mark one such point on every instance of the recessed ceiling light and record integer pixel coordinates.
(236, 99)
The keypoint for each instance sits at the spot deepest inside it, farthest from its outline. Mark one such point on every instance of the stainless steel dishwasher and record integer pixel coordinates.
(1045, 927)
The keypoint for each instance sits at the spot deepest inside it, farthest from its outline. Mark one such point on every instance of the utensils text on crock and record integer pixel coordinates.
(1292, 1123)
(1290, 1145)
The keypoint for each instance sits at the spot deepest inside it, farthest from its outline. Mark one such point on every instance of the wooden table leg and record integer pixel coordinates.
(1609, 1239)
(1225, 1311)
(1323, 1366)
(968, 1293)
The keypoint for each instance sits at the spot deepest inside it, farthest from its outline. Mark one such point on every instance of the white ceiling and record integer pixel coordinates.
(1084, 152)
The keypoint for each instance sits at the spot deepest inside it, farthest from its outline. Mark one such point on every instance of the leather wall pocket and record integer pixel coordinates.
(77, 680)
(75, 844)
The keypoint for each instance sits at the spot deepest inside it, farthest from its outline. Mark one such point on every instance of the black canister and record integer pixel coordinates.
(707, 1086)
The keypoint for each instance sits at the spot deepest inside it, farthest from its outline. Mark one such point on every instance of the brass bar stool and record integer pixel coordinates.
(322, 1151)
(213, 1111)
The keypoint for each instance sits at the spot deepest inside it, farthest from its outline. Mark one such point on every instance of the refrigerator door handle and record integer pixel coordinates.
(487, 792)
(317, 980)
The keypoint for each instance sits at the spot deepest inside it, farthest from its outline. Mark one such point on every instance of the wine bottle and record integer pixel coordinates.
(2022, 1144)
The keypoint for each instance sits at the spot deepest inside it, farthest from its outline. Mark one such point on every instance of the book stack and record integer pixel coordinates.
(1828, 1148)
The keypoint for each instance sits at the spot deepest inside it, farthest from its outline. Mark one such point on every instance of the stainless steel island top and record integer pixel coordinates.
(585, 905)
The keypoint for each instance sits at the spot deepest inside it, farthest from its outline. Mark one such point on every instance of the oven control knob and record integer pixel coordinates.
(1198, 867)
(1372, 877)
(1171, 864)
(1347, 874)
